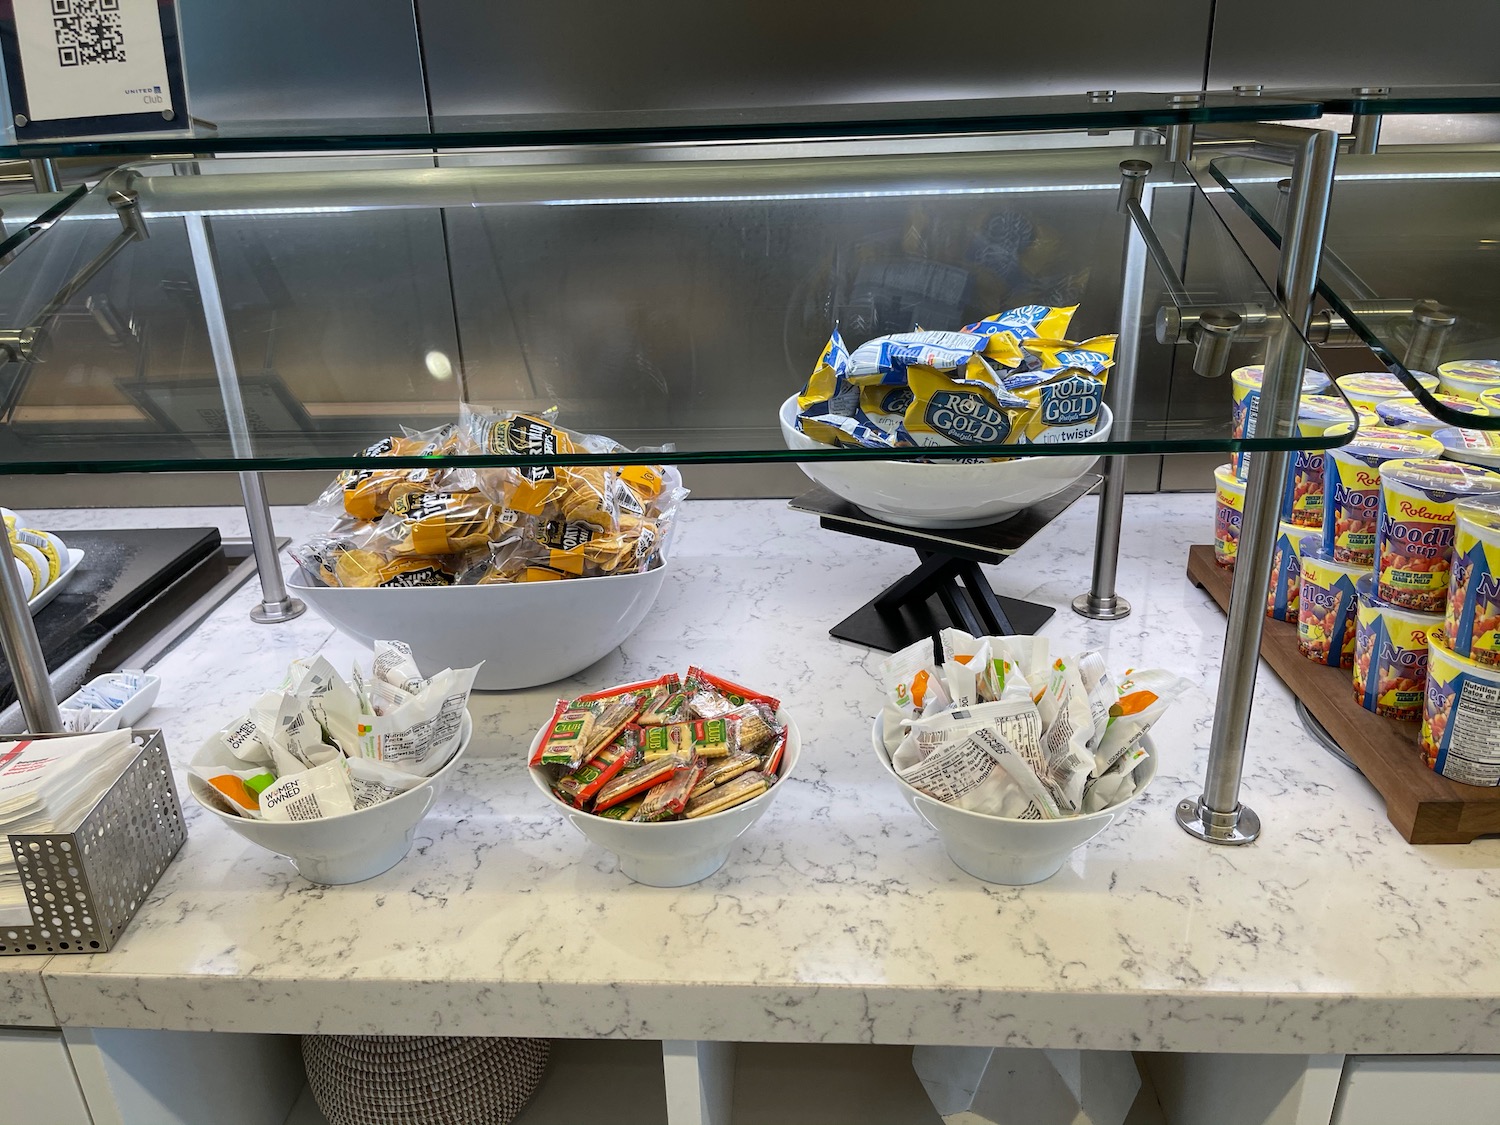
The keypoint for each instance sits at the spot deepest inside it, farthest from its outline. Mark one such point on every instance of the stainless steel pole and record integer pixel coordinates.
(275, 603)
(23, 652)
(1218, 816)
(44, 175)
(1367, 125)
(1102, 603)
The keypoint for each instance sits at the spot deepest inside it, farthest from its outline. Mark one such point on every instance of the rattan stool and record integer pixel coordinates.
(423, 1079)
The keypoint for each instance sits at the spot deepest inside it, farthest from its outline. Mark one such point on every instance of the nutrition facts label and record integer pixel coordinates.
(1473, 755)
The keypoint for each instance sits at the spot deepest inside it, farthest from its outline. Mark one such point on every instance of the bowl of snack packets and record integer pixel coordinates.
(1007, 380)
(666, 773)
(1013, 755)
(336, 774)
(537, 572)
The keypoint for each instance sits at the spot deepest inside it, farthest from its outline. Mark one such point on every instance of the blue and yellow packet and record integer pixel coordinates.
(949, 411)
(1028, 322)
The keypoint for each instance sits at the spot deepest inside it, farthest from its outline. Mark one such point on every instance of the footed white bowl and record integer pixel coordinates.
(1001, 849)
(673, 853)
(340, 849)
(943, 494)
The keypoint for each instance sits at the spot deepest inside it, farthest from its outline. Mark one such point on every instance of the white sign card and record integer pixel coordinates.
(91, 58)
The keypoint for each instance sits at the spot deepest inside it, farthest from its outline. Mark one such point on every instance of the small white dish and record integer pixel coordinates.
(132, 711)
(339, 849)
(944, 494)
(673, 853)
(1001, 849)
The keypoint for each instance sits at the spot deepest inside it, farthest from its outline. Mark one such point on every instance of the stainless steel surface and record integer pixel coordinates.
(104, 866)
(1366, 134)
(23, 654)
(1216, 332)
(293, 60)
(483, 57)
(275, 604)
(1311, 154)
(1431, 323)
(1103, 602)
(44, 175)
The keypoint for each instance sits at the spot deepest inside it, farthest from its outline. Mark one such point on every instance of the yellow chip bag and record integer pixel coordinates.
(949, 411)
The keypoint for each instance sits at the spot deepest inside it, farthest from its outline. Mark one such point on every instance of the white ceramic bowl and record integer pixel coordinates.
(340, 849)
(527, 633)
(942, 494)
(1001, 849)
(673, 853)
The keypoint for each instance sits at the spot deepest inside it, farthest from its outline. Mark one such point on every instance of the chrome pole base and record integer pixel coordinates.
(1239, 827)
(274, 613)
(1111, 608)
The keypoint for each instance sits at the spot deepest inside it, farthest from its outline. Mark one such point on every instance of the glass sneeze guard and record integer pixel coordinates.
(665, 303)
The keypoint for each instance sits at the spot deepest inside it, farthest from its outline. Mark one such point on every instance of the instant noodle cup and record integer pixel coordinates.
(1229, 495)
(1407, 413)
(1469, 378)
(1368, 388)
(1460, 736)
(1245, 383)
(1285, 593)
(1316, 412)
(1351, 488)
(1477, 447)
(1328, 606)
(1318, 416)
(1414, 532)
(1390, 655)
(1472, 621)
(1491, 399)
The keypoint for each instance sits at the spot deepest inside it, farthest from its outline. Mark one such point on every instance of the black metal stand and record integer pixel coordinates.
(947, 588)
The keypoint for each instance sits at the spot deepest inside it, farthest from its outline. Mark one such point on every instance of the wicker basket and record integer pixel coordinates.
(423, 1079)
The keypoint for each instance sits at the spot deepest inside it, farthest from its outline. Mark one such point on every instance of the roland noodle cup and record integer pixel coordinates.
(1328, 604)
(1472, 622)
(1229, 496)
(1469, 378)
(1245, 383)
(1351, 488)
(1285, 593)
(1407, 413)
(1367, 388)
(1460, 736)
(1414, 537)
(1317, 417)
(1390, 656)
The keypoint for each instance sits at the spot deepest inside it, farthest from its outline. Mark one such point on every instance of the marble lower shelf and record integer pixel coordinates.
(838, 917)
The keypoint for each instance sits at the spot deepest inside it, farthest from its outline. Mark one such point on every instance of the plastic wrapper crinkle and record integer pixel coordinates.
(1009, 379)
(443, 526)
(1003, 726)
(323, 746)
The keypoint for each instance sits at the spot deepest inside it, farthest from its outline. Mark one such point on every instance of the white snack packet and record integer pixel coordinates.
(1032, 655)
(914, 687)
(313, 794)
(220, 801)
(1015, 720)
(455, 688)
(1066, 739)
(395, 664)
(970, 675)
(331, 700)
(299, 733)
(1102, 691)
(385, 697)
(251, 738)
(1144, 697)
(373, 782)
(980, 773)
(1117, 783)
(404, 735)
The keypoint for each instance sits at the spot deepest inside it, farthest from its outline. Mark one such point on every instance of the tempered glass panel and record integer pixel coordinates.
(27, 213)
(676, 302)
(1122, 110)
(1404, 228)
(1399, 99)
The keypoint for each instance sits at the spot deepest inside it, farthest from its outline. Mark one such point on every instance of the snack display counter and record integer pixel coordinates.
(174, 318)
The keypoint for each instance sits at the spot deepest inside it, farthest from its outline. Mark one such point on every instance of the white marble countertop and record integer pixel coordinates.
(838, 916)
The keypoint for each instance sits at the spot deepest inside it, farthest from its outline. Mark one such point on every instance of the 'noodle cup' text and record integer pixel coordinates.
(1390, 655)
(1351, 489)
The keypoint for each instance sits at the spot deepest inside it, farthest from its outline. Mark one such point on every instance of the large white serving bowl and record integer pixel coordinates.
(943, 494)
(1001, 849)
(340, 849)
(673, 853)
(527, 633)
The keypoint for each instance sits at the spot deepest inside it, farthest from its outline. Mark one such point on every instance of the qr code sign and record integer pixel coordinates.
(88, 32)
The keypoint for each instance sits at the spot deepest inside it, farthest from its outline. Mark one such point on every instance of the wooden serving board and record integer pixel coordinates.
(1425, 807)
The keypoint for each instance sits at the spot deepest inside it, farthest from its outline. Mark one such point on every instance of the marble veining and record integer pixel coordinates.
(838, 916)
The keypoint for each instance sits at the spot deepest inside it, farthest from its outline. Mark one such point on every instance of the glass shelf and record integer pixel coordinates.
(1402, 100)
(667, 301)
(1404, 227)
(1121, 110)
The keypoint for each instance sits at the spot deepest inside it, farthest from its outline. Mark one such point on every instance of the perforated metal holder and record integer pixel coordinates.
(83, 887)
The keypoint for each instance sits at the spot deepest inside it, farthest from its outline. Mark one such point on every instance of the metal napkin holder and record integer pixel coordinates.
(83, 887)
